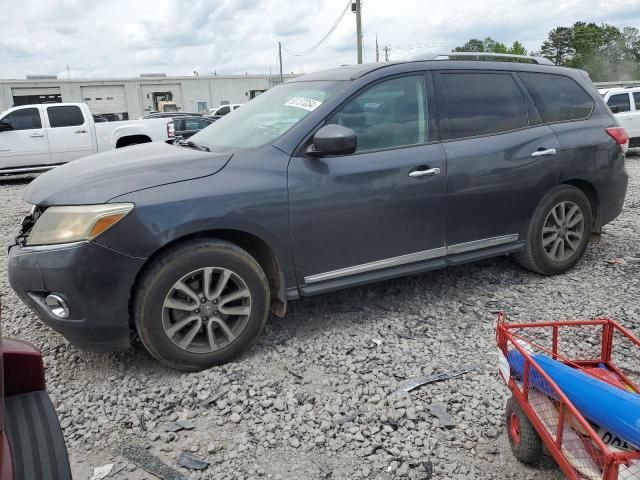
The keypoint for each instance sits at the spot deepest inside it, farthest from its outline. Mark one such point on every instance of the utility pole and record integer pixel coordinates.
(280, 59)
(358, 10)
(377, 50)
(386, 49)
(68, 72)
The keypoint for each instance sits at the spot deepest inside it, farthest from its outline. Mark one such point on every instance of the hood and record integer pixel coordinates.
(99, 178)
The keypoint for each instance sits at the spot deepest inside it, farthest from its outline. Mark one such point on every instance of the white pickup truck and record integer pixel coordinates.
(625, 105)
(35, 138)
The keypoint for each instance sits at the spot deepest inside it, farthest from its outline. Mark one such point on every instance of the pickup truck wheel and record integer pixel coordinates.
(559, 232)
(201, 304)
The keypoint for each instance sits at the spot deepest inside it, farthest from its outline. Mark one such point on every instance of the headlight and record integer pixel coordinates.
(76, 223)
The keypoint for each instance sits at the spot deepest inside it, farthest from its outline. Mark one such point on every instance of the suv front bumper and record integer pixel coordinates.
(95, 282)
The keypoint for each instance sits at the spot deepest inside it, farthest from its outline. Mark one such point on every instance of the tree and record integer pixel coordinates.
(490, 45)
(473, 45)
(517, 49)
(559, 45)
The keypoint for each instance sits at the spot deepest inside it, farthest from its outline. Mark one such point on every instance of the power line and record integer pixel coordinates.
(333, 27)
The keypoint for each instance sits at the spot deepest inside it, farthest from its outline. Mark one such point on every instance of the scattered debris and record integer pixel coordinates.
(299, 376)
(415, 382)
(143, 427)
(192, 462)
(173, 427)
(187, 425)
(348, 418)
(428, 466)
(325, 471)
(151, 464)
(101, 472)
(212, 398)
(440, 412)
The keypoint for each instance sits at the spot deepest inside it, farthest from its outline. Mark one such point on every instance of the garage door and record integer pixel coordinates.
(152, 93)
(29, 96)
(105, 99)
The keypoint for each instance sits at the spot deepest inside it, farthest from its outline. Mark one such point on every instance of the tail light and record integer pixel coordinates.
(620, 135)
(171, 130)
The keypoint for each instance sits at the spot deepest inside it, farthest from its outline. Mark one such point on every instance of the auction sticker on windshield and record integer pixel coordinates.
(304, 103)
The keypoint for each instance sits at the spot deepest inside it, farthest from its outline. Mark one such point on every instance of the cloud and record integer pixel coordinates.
(67, 29)
(124, 38)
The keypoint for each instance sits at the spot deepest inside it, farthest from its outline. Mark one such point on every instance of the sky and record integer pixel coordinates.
(124, 38)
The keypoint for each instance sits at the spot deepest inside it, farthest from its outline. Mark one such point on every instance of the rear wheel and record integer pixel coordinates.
(525, 442)
(201, 304)
(559, 232)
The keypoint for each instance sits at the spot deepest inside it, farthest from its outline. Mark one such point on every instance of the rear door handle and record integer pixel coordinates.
(36, 135)
(81, 131)
(543, 153)
(424, 173)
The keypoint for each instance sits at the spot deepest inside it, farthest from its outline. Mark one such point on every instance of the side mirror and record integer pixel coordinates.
(333, 140)
(5, 126)
(615, 108)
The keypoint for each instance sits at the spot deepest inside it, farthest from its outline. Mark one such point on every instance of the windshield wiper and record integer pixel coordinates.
(190, 144)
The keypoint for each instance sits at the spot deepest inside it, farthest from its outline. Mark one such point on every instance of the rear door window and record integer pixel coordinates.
(619, 103)
(479, 103)
(636, 99)
(66, 116)
(25, 119)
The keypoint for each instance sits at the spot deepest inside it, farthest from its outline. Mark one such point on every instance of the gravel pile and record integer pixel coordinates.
(314, 399)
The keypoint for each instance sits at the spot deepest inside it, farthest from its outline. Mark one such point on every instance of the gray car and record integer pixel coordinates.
(330, 180)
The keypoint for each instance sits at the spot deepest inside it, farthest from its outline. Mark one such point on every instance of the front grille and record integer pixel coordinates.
(27, 224)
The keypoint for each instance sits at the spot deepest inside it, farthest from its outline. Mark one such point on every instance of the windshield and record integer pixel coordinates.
(266, 117)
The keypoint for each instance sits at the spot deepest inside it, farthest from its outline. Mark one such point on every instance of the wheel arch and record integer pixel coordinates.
(591, 193)
(132, 140)
(254, 245)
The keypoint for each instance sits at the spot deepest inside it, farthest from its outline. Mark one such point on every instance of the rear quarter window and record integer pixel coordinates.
(557, 97)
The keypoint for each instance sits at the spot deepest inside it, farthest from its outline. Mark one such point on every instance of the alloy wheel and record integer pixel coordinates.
(563, 231)
(206, 310)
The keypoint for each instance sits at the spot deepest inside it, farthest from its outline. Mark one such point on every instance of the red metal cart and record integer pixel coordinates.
(534, 418)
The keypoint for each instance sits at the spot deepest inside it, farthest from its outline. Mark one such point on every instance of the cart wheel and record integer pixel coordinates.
(526, 444)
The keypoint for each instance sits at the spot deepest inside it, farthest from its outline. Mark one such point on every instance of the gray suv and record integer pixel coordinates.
(330, 180)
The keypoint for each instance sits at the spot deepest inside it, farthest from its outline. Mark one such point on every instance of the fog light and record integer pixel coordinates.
(57, 306)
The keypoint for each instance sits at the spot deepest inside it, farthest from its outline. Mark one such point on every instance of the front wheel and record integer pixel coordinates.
(559, 232)
(201, 304)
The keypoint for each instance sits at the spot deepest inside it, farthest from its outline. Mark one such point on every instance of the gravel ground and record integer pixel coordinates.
(280, 408)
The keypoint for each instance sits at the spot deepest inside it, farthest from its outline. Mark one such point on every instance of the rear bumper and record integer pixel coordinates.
(612, 193)
(95, 282)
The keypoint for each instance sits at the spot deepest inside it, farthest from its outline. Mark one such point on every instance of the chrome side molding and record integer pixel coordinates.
(412, 258)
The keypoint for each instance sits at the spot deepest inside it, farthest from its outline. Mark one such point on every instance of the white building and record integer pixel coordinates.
(129, 98)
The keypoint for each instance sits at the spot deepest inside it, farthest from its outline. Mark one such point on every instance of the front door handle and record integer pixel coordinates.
(36, 135)
(80, 131)
(430, 172)
(544, 152)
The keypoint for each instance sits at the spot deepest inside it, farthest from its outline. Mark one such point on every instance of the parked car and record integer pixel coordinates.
(35, 138)
(171, 114)
(625, 105)
(330, 180)
(187, 126)
(31, 441)
(222, 110)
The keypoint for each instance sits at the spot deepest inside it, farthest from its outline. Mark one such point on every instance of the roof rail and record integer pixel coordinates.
(490, 55)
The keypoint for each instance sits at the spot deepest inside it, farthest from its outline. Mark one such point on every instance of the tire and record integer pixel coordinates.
(525, 442)
(535, 255)
(164, 302)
